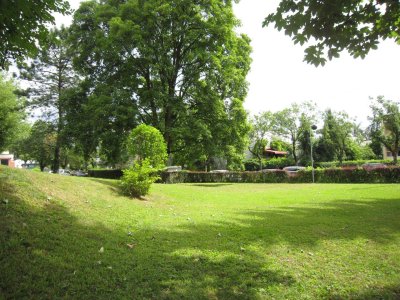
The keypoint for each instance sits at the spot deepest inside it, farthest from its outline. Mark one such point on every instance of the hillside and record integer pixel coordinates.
(71, 237)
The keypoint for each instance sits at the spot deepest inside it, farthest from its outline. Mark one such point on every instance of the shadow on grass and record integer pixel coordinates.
(45, 252)
(376, 220)
(372, 293)
(211, 185)
(113, 184)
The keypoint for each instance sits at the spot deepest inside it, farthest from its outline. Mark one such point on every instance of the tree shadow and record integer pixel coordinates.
(47, 252)
(210, 185)
(112, 183)
(375, 219)
(387, 292)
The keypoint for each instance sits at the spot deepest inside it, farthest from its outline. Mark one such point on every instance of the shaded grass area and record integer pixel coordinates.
(239, 241)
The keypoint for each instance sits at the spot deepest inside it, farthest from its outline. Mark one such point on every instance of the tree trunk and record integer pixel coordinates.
(294, 151)
(395, 157)
(56, 160)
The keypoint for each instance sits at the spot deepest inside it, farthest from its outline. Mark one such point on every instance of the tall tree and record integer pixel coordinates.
(41, 143)
(328, 27)
(169, 63)
(289, 123)
(385, 124)
(50, 74)
(11, 112)
(23, 26)
(261, 126)
(335, 136)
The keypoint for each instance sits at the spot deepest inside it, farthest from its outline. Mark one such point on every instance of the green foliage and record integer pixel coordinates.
(329, 27)
(24, 26)
(193, 93)
(146, 144)
(232, 177)
(261, 125)
(292, 123)
(335, 137)
(40, 143)
(50, 75)
(335, 175)
(273, 163)
(279, 145)
(385, 126)
(11, 113)
(137, 180)
(355, 151)
(350, 175)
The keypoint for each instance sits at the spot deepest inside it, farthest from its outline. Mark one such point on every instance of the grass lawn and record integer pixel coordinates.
(69, 237)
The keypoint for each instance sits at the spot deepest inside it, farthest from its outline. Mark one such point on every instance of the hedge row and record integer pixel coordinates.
(351, 163)
(332, 175)
(108, 174)
(387, 175)
(199, 177)
(272, 163)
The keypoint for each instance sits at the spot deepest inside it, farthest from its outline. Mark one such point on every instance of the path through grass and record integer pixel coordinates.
(199, 241)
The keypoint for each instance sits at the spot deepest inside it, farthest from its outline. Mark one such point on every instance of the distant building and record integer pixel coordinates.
(387, 154)
(7, 159)
(271, 153)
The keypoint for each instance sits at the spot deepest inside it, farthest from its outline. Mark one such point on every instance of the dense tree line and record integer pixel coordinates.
(180, 67)
(176, 65)
(338, 137)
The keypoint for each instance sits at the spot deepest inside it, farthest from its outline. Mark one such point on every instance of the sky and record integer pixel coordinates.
(279, 77)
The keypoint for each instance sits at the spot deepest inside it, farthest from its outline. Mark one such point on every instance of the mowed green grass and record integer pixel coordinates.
(197, 241)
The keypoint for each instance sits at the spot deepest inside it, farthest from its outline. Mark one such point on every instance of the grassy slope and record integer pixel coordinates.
(215, 241)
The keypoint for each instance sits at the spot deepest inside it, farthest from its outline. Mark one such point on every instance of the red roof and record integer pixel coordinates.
(275, 152)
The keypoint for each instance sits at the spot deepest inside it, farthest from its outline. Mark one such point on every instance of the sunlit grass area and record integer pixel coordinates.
(69, 237)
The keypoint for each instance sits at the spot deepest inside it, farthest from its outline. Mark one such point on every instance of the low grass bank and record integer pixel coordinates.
(70, 237)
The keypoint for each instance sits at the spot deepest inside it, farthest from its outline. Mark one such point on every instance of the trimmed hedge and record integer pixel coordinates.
(107, 174)
(352, 163)
(272, 163)
(331, 175)
(199, 177)
(358, 175)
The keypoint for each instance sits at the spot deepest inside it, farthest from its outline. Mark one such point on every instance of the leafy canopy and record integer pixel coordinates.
(385, 125)
(176, 65)
(11, 112)
(331, 26)
(23, 24)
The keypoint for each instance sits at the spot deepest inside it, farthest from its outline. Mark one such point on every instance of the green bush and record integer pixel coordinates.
(147, 143)
(136, 181)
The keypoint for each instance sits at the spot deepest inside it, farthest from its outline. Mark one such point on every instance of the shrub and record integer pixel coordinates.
(136, 181)
(147, 143)
(147, 146)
